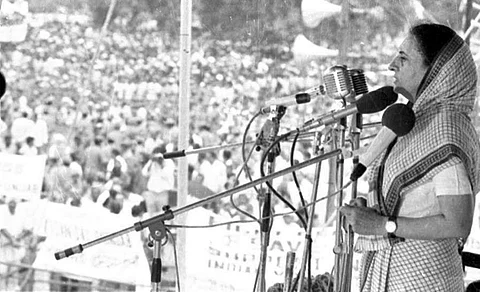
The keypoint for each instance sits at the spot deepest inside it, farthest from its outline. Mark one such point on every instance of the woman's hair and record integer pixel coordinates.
(431, 38)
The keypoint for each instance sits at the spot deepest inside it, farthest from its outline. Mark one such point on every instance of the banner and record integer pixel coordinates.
(21, 176)
(120, 259)
(226, 258)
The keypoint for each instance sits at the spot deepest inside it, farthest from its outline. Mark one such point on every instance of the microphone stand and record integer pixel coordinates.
(308, 235)
(185, 152)
(339, 245)
(356, 126)
(266, 222)
(267, 136)
(158, 233)
(344, 250)
(156, 224)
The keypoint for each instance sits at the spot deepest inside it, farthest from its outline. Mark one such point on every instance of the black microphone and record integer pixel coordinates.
(3, 88)
(470, 259)
(398, 120)
(3, 85)
(368, 103)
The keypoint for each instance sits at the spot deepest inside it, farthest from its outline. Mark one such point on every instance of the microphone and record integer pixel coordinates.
(471, 259)
(299, 98)
(339, 83)
(398, 120)
(3, 85)
(359, 82)
(368, 103)
(270, 129)
(3, 88)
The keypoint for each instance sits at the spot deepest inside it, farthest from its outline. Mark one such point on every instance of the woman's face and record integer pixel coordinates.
(409, 69)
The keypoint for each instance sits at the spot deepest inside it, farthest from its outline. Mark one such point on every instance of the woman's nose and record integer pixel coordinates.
(392, 66)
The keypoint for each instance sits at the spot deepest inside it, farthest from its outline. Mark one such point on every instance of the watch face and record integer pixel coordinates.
(391, 226)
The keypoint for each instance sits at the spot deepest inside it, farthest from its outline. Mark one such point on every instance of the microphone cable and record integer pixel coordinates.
(294, 174)
(245, 167)
(262, 173)
(174, 244)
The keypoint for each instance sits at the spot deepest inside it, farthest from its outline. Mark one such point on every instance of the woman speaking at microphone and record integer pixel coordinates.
(420, 204)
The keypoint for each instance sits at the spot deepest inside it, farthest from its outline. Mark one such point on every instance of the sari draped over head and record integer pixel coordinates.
(443, 135)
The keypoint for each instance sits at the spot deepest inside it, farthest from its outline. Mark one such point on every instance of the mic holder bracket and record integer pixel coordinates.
(157, 228)
(167, 215)
(270, 130)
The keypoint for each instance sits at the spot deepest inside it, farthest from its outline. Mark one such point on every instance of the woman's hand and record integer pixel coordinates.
(362, 219)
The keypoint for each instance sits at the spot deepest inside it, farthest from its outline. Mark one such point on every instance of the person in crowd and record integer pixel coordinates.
(214, 172)
(130, 200)
(207, 137)
(8, 146)
(78, 149)
(160, 174)
(77, 183)
(228, 161)
(115, 205)
(57, 180)
(111, 195)
(28, 148)
(40, 131)
(59, 147)
(95, 159)
(21, 128)
(11, 234)
(117, 166)
(136, 162)
(116, 135)
(421, 201)
(93, 189)
(134, 165)
(84, 125)
(196, 189)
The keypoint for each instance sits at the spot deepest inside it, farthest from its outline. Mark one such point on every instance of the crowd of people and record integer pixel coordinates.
(114, 142)
(104, 130)
(129, 169)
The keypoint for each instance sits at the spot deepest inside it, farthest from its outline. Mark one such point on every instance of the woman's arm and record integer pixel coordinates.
(455, 220)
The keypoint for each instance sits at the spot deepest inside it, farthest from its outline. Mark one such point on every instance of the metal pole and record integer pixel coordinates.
(307, 248)
(339, 243)
(184, 122)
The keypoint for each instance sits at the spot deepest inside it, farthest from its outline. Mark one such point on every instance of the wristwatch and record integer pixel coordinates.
(391, 226)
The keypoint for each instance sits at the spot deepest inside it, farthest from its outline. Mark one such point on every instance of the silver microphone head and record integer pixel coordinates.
(338, 83)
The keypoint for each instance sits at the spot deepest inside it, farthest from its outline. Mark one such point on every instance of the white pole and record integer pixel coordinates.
(183, 137)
